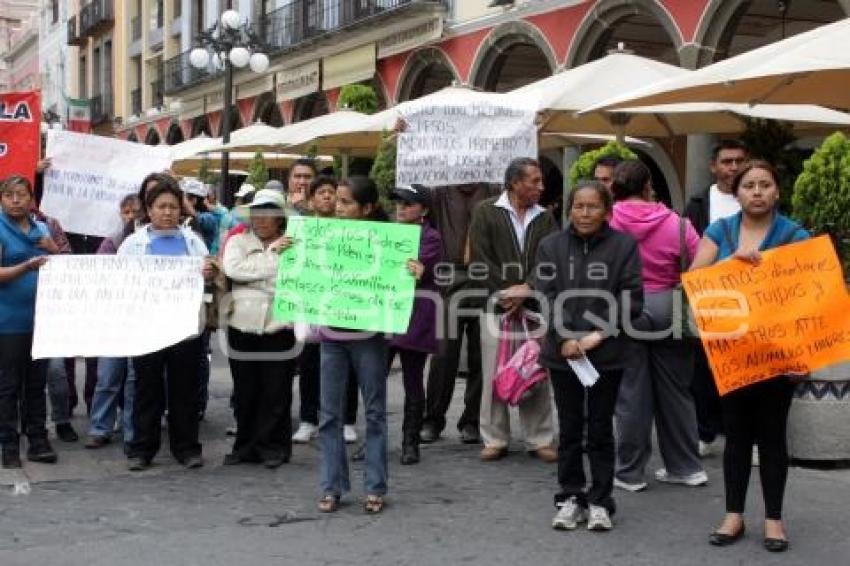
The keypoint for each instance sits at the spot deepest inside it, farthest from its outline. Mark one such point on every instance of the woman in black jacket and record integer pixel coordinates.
(591, 278)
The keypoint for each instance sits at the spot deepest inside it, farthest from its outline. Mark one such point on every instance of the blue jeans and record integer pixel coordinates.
(112, 373)
(57, 390)
(368, 358)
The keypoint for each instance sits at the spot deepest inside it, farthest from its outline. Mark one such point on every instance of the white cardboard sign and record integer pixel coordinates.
(115, 306)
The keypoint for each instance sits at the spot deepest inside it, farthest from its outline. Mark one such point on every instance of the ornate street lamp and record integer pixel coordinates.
(230, 43)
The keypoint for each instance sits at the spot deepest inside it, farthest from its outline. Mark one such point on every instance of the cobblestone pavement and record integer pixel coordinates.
(450, 509)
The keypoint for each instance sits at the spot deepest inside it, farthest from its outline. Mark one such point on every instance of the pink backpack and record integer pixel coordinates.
(517, 370)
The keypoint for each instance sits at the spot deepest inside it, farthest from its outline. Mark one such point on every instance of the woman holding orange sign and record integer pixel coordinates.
(757, 413)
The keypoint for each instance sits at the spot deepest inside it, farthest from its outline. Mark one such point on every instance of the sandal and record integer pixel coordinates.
(374, 504)
(328, 503)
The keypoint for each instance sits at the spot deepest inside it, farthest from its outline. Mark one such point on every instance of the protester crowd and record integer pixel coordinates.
(500, 262)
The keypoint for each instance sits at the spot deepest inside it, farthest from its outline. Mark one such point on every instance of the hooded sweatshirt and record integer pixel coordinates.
(656, 229)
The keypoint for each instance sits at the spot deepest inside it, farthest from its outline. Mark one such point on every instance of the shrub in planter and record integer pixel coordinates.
(584, 165)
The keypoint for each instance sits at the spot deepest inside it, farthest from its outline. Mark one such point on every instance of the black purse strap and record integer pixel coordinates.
(684, 257)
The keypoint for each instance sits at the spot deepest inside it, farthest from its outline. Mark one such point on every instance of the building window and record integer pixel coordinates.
(54, 5)
(178, 8)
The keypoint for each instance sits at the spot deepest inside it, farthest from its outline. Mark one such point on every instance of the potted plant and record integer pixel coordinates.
(819, 422)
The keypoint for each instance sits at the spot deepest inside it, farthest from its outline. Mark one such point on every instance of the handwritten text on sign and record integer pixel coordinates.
(348, 274)
(115, 306)
(89, 175)
(463, 143)
(788, 314)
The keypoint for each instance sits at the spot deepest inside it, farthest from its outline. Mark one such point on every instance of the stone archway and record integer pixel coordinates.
(133, 138)
(732, 27)
(152, 137)
(513, 55)
(235, 120)
(311, 106)
(201, 127)
(427, 71)
(642, 26)
(174, 134)
(268, 111)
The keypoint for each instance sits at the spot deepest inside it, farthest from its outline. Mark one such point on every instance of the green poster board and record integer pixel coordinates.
(348, 274)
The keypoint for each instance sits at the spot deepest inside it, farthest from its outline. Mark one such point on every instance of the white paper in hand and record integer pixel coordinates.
(584, 370)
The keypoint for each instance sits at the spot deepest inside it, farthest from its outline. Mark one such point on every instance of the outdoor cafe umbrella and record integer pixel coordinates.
(808, 68)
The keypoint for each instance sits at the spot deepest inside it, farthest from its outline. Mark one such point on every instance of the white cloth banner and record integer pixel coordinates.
(89, 175)
(115, 306)
(472, 142)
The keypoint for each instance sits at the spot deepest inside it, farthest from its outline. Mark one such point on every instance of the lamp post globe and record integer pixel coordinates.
(199, 58)
(239, 56)
(259, 62)
(231, 19)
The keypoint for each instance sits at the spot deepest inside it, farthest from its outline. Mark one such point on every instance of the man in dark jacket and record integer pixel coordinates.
(504, 236)
(702, 209)
(451, 213)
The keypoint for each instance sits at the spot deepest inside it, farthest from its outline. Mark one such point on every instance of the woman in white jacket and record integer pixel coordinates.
(260, 349)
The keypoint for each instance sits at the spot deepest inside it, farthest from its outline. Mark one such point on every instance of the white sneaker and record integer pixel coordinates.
(693, 480)
(305, 432)
(349, 433)
(569, 515)
(633, 487)
(756, 455)
(706, 449)
(599, 519)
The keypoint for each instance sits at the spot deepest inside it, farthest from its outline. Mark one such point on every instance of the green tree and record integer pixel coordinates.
(821, 197)
(205, 175)
(258, 173)
(360, 98)
(769, 140)
(584, 165)
(383, 168)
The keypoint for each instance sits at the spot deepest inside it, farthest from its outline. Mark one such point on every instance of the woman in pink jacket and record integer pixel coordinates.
(659, 385)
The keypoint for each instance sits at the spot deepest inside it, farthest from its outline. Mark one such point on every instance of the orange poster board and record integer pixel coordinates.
(789, 314)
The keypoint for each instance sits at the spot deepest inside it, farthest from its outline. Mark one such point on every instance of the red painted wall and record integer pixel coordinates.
(560, 27)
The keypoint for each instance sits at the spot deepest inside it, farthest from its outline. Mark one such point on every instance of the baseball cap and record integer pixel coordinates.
(274, 185)
(267, 197)
(192, 186)
(414, 194)
(245, 190)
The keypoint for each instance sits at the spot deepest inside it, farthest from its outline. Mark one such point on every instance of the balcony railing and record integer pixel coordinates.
(74, 37)
(157, 97)
(295, 23)
(96, 16)
(136, 28)
(101, 108)
(136, 101)
(298, 21)
(180, 74)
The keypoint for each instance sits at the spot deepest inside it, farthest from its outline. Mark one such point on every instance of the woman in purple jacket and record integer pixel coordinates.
(412, 207)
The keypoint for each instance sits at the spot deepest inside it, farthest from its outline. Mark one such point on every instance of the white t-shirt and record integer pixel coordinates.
(721, 204)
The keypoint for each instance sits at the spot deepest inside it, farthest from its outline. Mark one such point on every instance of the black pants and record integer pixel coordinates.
(570, 401)
(23, 384)
(89, 385)
(262, 392)
(758, 414)
(443, 373)
(706, 398)
(179, 392)
(309, 366)
(412, 372)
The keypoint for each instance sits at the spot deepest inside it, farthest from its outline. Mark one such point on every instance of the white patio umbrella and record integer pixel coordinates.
(558, 98)
(240, 160)
(194, 146)
(667, 120)
(808, 68)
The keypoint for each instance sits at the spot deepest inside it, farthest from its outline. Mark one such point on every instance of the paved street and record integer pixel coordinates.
(451, 509)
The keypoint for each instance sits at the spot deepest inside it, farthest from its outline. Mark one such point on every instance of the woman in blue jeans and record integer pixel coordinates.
(366, 353)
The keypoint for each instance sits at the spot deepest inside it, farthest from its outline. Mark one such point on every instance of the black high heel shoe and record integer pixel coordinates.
(724, 539)
(776, 544)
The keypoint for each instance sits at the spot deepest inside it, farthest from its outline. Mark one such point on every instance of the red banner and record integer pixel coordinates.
(20, 133)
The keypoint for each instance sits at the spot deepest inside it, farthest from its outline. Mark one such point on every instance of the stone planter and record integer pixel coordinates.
(819, 422)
